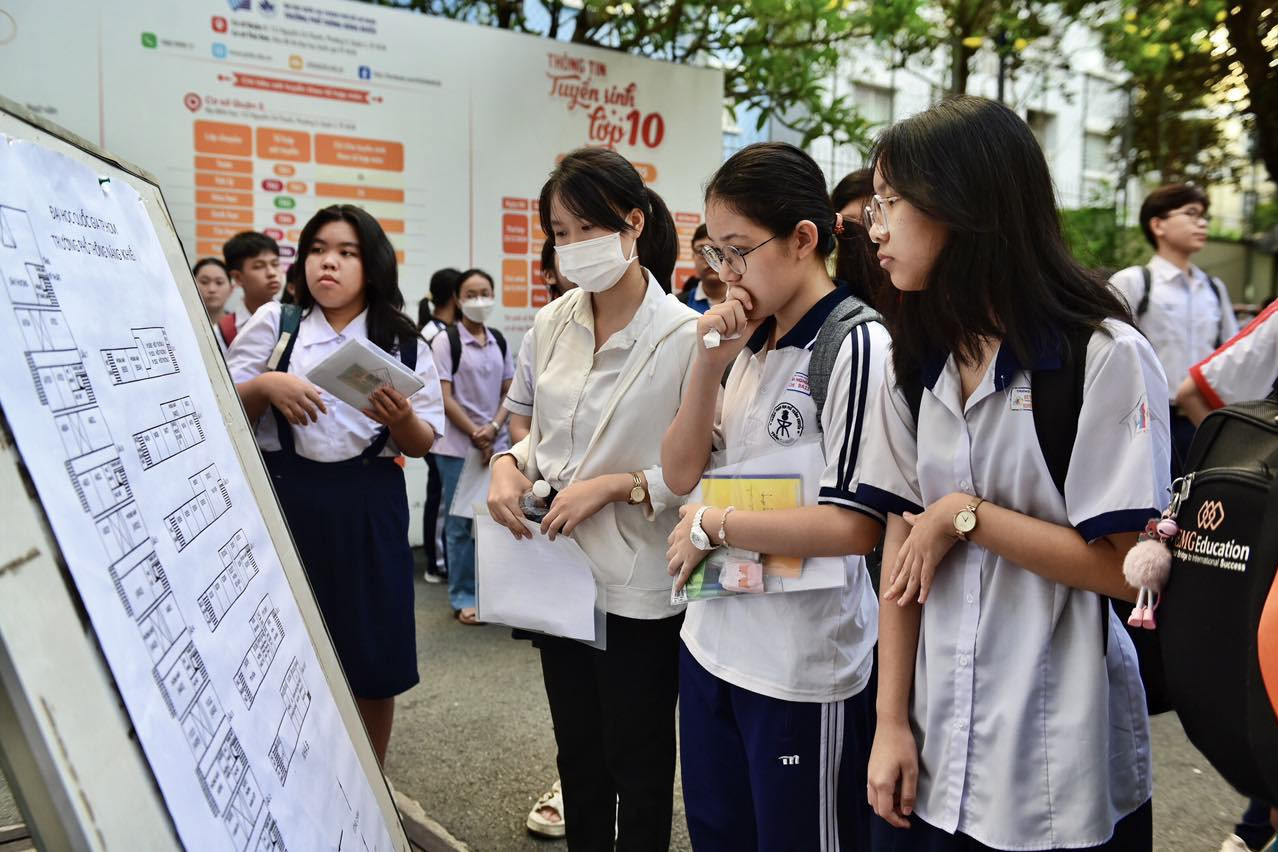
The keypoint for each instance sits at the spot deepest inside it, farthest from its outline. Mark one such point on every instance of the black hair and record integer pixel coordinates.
(245, 246)
(856, 263)
(777, 186)
(1166, 199)
(548, 254)
(700, 234)
(208, 261)
(601, 187)
(294, 277)
(443, 288)
(972, 165)
(463, 277)
(386, 322)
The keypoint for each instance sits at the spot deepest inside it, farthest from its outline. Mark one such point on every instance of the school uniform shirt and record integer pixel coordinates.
(1031, 734)
(606, 412)
(344, 432)
(519, 398)
(432, 328)
(1245, 367)
(1184, 318)
(815, 646)
(481, 370)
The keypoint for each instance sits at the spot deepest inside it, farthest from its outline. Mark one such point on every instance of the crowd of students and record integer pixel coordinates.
(981, 693)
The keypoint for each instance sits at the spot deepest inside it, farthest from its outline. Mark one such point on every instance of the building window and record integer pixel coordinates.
(876, 103)
(1043, 126)
(1096, 148)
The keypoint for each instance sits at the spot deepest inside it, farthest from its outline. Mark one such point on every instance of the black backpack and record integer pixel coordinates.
(455, 344)
(1057, 402)
(1223, 572)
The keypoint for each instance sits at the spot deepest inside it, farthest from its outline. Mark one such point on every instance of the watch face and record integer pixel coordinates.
(637, 494)
(700, 540)
(965, 521)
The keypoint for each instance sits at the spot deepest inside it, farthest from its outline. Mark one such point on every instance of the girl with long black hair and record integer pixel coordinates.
(334, 466)
(1010, 708)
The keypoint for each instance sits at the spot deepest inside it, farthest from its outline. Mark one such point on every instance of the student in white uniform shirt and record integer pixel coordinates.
(610, 364)
(253, 261)
(332, 465)
(1244, 368)
(1185, 313)
(775, 691)
(1010, 710)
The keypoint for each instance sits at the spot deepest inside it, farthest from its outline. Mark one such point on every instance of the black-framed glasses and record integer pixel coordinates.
(876, 212)
(733, 258)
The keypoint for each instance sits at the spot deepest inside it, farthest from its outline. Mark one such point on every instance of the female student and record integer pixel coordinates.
(609, 369)
(475, 369)
(775, 708)
(333, 466)
(855, 260)
(1010, 710)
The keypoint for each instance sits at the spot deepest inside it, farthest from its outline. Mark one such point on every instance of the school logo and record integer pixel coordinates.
(1022, 399)
(789, 759)
(1138, 418)
(786, 424)
(1211, 515)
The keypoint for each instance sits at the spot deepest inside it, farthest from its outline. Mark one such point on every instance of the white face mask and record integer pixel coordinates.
(477, 310)
(595, 265)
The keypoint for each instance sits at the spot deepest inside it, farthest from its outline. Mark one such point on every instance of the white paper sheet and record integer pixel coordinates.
(358, 368)
(472, 486)
(104, 385)
(542, 585)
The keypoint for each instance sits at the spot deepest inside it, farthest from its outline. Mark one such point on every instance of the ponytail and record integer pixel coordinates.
(600, 186)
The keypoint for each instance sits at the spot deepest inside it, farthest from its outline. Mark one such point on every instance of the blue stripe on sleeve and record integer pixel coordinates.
(885, 501)
(1109, 523)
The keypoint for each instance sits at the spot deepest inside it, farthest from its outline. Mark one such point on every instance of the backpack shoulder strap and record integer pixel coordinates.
(1148, 278)
(454, 346)
(501, 341)
(1218, 289)
(1057, 399)
(226, 325)
(846, 316)
(290, 322)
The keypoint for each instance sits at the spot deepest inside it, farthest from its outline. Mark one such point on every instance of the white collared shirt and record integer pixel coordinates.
(1184, 320)
(574, 394)
(1030, 737)
(1245, 367)
(344, 432)
(798, 646)
(519, 397)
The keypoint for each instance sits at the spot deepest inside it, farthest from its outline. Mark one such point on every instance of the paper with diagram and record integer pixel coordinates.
(105, 389)
(357, 369)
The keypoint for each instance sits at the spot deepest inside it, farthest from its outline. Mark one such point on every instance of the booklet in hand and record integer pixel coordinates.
(357, 369)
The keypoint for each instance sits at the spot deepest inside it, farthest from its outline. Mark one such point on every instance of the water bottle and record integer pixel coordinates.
(536, 501)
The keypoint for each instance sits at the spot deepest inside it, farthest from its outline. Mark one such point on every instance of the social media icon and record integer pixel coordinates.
(219, 24)
(295, 62)
(239, 5)
(365, 73)
(219, 50)
(149, 40)
(266, 7)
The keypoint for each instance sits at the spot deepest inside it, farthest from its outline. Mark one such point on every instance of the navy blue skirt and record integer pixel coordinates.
(349, 520)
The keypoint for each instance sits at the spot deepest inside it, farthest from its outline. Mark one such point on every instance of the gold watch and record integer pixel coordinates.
(965, 518)
(639, 491)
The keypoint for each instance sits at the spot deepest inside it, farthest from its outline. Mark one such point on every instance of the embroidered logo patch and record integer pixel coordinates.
(799, 384)
(786, 424)
(1137, 419)
(1022, 399)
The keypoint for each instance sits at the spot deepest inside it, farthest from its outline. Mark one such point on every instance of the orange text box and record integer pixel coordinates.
(647, 171)
(240, 216)
(276, 144)
(514, 233)
(218, 137)
(212, 231)
(538, 289)
(368, 193)
(284, 170)
(514, 283)
(217, 180)
(366, 153)
(204, 249)
(392, 226)
(224, 198)
(514, 204)
(538, 235)
(224, 164)
(300, 87)
(296, 186)
(399, 256)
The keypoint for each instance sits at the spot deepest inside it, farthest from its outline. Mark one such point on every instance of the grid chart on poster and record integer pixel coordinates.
(97, 474)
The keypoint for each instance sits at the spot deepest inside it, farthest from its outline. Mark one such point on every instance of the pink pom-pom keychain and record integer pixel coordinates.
(1148, 565)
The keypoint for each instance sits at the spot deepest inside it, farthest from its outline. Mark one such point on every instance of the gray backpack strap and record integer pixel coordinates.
(846, 316)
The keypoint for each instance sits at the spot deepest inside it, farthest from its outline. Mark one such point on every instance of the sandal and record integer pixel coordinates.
(543, 826)
(468, 616)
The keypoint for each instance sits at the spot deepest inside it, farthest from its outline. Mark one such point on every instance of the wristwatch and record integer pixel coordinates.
(638, 491)
(700, 539)
(965, 518)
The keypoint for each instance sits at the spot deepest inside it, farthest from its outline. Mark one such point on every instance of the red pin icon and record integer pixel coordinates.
(192, 101)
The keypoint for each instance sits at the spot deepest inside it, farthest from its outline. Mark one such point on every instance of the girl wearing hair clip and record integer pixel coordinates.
(776, 691)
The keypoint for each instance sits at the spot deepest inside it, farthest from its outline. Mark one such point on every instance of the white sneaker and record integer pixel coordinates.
(432, 578)
(1234, 843)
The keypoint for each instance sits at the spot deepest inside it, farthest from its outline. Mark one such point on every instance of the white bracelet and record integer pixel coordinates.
(723, 526)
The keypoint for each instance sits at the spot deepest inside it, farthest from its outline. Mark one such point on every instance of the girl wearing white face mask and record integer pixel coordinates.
(610, 367)
(475, 369)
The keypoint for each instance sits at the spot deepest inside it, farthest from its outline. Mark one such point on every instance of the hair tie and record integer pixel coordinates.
(838, 224)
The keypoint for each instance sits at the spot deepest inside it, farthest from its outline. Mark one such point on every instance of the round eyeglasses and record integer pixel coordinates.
(732, 257)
